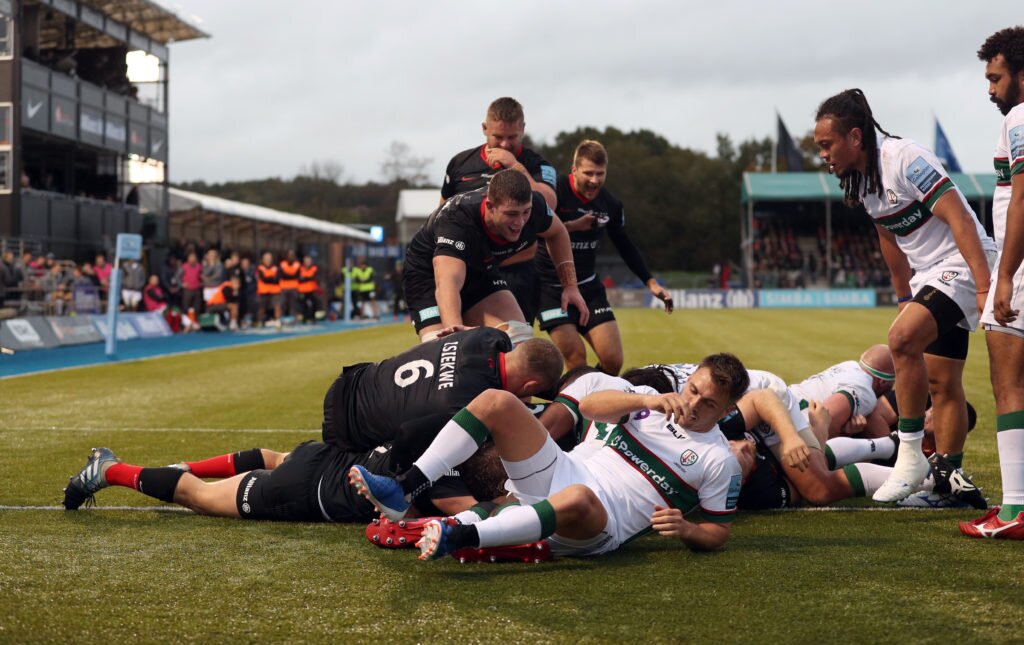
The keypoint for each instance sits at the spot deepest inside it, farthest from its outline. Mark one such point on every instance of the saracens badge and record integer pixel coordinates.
(688, 458)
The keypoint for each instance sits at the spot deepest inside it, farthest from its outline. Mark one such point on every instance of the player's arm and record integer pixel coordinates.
(558, 421)
(701, 536)
(1013, 251)
(841, 410)
(612, 405)
(766, 407)
(449, 276)
(501, 158)
(950, 209)
(896, 260)
(557, 239)
(631, 256)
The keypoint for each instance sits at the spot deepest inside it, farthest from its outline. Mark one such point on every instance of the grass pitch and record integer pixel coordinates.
(133, 573)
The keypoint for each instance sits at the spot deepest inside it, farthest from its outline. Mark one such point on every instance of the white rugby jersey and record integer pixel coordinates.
(1009, 161)
(657, 461)
(846, 378)
(912, 181)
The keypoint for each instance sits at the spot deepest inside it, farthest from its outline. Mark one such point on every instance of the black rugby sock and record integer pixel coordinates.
(160, 482)
(413, 483)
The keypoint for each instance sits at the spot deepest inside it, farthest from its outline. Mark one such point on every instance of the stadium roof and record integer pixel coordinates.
(143, 24)
(417, 203)
(818, 186)
(150, 18)
(185, 200)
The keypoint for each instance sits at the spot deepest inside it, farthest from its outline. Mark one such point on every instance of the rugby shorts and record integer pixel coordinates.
(550, 311)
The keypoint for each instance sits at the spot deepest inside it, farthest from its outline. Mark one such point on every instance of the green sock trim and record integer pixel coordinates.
(831, 456)
(957, 459)
(1008, 512)
(473, 427)
(1010, 421)
(853, 476)
(546, 513)
(910, 424)
(483, 509)
(504, 507)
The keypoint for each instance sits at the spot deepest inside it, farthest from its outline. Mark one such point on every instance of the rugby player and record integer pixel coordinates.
(925, 226)
(850, 392)
(588, 210)
(666, 460)
(504, 127)
(1003, 54)
(451, 279)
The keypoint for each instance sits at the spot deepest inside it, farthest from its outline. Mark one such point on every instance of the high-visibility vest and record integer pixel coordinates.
(290, 275)
(267, 280)
(307, 279)
(362, 279)
(218, 297)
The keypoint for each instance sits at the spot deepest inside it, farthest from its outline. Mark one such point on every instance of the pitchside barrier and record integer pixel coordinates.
(751, 298)
(39, 332)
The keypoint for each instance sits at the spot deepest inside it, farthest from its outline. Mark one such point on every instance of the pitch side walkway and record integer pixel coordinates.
(59, 358)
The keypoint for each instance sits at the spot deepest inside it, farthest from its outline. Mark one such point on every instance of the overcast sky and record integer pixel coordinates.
(278, 85)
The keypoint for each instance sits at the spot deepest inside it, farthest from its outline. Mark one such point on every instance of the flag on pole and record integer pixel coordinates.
(787, 154)
(944, 151)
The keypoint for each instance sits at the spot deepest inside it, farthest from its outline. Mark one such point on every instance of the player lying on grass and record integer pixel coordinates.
(666, 459)
(304, 485)
(816, 484)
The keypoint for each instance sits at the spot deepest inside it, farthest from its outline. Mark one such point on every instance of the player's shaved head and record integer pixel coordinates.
(537, 359)
(877, 361)
(509, 186)
(592, 151)
(505, 110)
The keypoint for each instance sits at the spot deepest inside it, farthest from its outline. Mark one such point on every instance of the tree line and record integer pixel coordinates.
(682, 205)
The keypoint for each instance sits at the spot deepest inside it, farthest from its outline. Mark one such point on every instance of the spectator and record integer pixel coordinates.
(56, 285)
(132, 284)
(153, 297)
(102, 271)
(212, 273)
(11, 277)
(288, 270)
(170, 280)
(308, 287)
(246, 290)
(191, 285)
(224, 303)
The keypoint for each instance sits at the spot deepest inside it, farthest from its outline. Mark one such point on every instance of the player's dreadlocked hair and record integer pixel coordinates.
(848, 110)
(653, 376)
(1010, 43)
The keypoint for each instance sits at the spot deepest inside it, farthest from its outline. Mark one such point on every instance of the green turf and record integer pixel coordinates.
(146, 576)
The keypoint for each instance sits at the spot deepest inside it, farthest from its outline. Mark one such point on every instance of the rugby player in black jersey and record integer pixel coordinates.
(588, 210)
(471, 169)
(451, 278)
(378, 415)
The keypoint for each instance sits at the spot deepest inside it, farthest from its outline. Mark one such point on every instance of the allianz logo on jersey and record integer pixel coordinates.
(459, 244)
(583, 246)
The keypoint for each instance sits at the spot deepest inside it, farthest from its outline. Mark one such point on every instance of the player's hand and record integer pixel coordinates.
(500, 158)
(796, 454)
(672, 405)
(855, 425)
(663, 296)
(671, 523)
(572, 296)
(818, 415)
(1001, 303)
(448, 331)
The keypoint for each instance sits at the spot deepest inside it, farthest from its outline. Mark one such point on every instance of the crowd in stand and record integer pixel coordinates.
(232, 289)
(784, 259)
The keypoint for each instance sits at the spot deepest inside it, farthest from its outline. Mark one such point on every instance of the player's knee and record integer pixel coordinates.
(493, 404)
(272, 459)
(575, 357)
(611, 363)
(902, 342)
(576, 502)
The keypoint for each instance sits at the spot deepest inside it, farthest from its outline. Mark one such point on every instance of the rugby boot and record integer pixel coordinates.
(82, 487)
(402, 534)
(950, 480)
(990, 526)
(384, 493)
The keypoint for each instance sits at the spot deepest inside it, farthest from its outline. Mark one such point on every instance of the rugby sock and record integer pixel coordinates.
(478, 513)
(911, 429)
(155, 482)
(842, 451)
(1010, 439)
(520, 525)
(956, 458)
(455, 443)
(865, 479)
(227, 465)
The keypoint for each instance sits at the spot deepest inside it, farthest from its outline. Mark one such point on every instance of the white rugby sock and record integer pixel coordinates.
(865, 479)
(515, 525)
(1011, 457)
(848, 450)
(454, 444)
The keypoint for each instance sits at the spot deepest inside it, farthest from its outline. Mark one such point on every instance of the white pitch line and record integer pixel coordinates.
(802, 509)
(166, 430)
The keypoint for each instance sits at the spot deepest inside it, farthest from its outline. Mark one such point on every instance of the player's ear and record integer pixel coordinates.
(857, 137)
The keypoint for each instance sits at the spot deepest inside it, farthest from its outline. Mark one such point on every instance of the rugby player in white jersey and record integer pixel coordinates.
(937, 254)
(662, 457)
(1003, 53)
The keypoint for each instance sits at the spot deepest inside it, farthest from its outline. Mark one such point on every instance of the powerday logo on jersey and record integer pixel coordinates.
(948, 276)
(688, 458)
